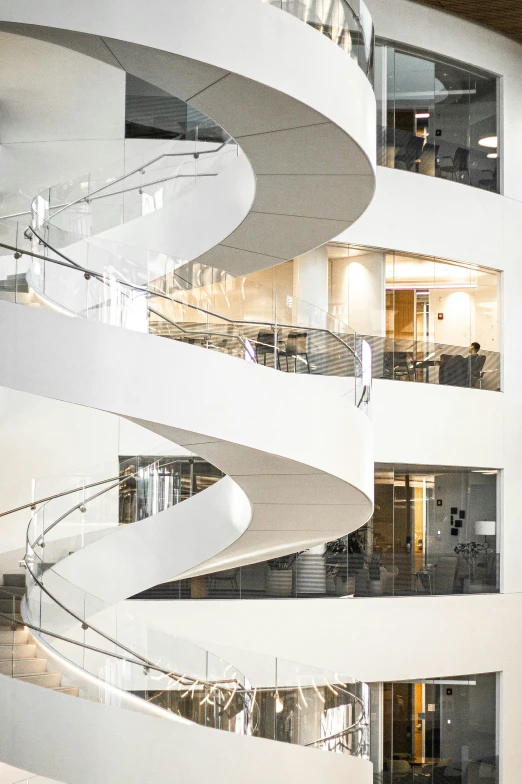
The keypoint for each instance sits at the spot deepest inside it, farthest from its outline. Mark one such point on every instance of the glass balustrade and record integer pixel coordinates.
(129, 189)
(197, 305)
(101, 652)
(347, 24)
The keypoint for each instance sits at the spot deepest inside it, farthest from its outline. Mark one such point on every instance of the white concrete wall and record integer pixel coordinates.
(428, 424)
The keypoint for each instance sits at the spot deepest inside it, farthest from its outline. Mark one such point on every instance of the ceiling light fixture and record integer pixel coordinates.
(422, 115)
(492, 155)
(489, 141)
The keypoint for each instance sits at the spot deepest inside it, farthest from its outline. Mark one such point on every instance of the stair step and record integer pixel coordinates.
(21, 651)
(74, 691)
(23, 666)
(50, 680)
(15, 579)
(7, 591)
(6, 605)
(18, 637)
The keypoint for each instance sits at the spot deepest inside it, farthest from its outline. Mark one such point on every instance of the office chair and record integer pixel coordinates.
(265, 346)
(457, 167)
(296, 347)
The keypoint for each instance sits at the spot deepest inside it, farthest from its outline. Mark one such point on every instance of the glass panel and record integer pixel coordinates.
(431, 533)
(436, 117)
(349, 25)
(484, 144)
(441, 730)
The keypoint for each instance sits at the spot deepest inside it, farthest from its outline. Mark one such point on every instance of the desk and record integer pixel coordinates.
(422, 762)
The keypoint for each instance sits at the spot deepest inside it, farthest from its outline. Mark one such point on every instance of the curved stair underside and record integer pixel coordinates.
(259, 426)
(296, 450)
(299, 107)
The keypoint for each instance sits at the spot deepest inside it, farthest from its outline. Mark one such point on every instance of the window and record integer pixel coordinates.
(438, 730)
(436, 117)
(433, 532)
(420, 315)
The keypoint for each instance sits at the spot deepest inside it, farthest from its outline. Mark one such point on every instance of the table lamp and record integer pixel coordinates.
(485, 528)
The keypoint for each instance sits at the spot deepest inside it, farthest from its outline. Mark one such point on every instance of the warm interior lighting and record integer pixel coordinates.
(489, 141)
(415, 286)
(279, 705)
(485, 527)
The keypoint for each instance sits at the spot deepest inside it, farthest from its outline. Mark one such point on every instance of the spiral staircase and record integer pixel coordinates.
(291, 435)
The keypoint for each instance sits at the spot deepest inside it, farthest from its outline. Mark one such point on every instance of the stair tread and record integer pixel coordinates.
(12, 590)
(74, 691)
(50, 680)
(14, 579)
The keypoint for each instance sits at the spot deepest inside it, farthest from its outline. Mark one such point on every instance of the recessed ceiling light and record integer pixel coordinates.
(489, 141)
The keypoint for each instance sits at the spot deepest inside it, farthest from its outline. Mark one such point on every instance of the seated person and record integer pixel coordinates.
(476, 363)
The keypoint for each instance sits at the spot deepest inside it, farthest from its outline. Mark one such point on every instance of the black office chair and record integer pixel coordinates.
(476, 369)
(265, 347)
(407, 154)
(398, 365)
(457, 166)
(297, 347)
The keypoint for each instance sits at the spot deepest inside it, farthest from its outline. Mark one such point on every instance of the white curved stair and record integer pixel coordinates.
(296, 449)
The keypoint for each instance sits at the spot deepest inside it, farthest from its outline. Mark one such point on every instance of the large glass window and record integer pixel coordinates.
(433, 532)
(437, 731)
(427, 320)
(436, 117)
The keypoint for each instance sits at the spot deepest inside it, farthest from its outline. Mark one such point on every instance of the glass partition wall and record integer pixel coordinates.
(436, 117)
(420, 314)
(436, 731)
(434, 532)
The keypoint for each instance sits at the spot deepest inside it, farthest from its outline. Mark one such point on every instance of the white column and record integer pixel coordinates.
(311, 287)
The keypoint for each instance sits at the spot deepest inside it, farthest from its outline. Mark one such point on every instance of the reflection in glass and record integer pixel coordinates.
(420, 315)
(433, 532)
(437, 731)
(436, 117)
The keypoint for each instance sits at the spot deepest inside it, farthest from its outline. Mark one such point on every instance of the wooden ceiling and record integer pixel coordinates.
(503, 16)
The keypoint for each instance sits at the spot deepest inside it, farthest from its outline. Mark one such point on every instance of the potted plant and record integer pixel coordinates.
(336, 566)
(374, 573)
(280, 574)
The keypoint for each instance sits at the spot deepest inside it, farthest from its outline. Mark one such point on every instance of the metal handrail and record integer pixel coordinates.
(137, 658)
(140, 169)
(156, 293)
(183, 680)
(230, 685)
(34, 504)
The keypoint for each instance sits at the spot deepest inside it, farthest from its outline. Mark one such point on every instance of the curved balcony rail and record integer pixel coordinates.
(347, 24)
(120, 661)
(291, 335)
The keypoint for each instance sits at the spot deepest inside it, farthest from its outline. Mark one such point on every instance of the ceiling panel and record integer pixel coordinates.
(504, 16)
